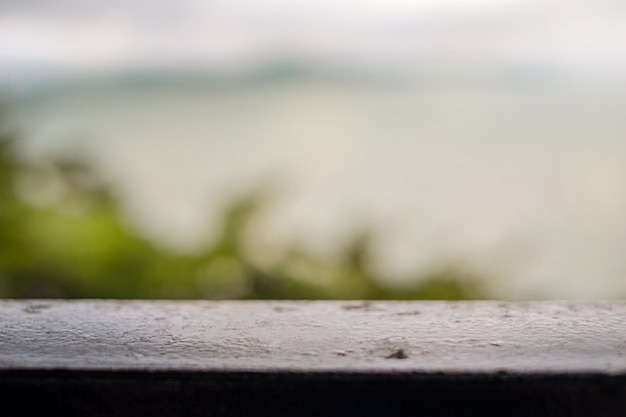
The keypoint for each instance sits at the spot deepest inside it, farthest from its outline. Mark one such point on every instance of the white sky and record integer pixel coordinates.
(91, 37)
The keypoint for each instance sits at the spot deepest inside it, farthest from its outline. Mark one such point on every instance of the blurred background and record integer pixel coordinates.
(424, 149)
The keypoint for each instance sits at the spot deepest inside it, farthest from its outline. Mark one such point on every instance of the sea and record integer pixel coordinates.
(524, 182)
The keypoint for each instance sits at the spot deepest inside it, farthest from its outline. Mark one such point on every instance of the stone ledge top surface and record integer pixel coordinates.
(416, 337)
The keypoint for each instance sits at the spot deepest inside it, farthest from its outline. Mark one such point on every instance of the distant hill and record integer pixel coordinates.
(281, 72)
(46, 86)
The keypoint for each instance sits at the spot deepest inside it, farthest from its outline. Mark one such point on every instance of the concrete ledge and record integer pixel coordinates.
(313, 358)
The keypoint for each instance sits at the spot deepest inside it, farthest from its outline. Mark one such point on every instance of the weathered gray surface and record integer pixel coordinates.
(341, 337)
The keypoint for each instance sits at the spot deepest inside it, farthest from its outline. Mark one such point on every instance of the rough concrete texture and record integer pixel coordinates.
(338, 337)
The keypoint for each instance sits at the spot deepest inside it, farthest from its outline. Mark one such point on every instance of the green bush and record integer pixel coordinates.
(76, 246)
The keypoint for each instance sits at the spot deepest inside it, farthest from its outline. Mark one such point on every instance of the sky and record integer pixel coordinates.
(46, 38)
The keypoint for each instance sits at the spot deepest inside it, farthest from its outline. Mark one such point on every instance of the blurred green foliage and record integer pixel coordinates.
(61, 235)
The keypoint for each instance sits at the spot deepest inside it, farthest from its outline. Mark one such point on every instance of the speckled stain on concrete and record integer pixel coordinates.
(340, 337)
